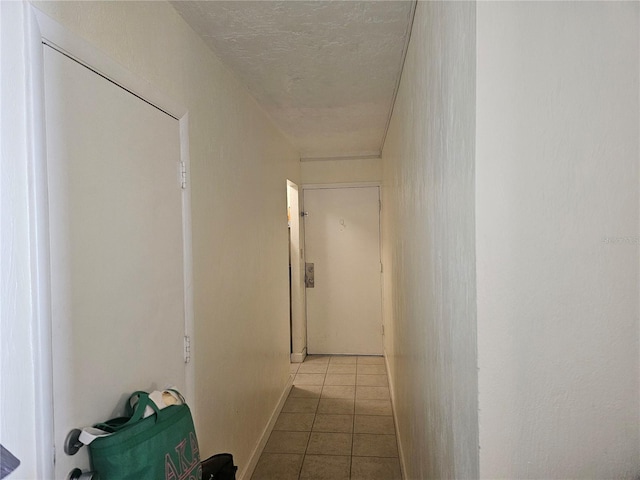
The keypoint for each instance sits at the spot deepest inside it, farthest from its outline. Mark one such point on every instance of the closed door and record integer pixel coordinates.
(116, 248)
(342, 240)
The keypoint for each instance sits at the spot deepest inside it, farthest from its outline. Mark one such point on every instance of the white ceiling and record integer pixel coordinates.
(326, 71)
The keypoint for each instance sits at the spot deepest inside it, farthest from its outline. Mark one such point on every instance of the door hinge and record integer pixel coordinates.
(381, 268)
(383, 329)
(183, 175)
(187, 349)
(379, 205)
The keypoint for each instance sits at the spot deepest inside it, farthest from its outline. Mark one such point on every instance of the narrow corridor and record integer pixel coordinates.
(336, 424)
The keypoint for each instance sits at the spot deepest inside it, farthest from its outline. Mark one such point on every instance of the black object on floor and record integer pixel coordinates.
(219, 467)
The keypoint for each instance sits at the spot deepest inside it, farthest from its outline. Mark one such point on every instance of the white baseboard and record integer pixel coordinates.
(255, 455)
(403, 467)
(299, 357)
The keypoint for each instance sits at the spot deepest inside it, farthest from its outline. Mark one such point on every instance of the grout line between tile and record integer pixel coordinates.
(353, 436)
(315, 414)
(333, 455)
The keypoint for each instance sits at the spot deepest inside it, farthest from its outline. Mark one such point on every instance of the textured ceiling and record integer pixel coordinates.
(326, 71)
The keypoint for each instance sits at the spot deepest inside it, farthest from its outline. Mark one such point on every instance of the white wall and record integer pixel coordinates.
(239, 167)
(557, 175)
(428, 243)
(341, 171)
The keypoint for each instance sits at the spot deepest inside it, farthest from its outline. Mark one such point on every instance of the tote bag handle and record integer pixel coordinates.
(135, 408)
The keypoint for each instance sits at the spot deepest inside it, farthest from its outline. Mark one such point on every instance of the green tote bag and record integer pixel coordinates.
(162, 446)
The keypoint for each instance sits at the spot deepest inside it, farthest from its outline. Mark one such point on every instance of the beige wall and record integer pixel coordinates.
(557, 239)
(428, 243)
(239, 166)
(341, 171)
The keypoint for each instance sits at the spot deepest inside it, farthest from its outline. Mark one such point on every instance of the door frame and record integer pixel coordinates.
(297, 293)
(40, 28)
(317, 186)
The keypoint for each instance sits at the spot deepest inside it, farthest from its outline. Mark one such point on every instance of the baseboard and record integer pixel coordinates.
(299, 357)
(403, 467)
(255, 455)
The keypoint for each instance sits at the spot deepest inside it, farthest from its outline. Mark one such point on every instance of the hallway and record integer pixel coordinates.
(507, 154)
(336, 424)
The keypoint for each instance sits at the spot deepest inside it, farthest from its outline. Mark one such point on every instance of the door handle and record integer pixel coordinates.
(77, 474)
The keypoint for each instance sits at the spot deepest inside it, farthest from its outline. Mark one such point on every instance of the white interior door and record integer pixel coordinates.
(296, 265)
(342, 240)
(116, 248)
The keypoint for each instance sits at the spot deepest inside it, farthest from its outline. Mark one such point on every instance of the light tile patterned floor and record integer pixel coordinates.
(336, 424)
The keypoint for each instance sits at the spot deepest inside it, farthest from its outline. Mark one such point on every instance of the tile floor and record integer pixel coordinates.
(336, 424)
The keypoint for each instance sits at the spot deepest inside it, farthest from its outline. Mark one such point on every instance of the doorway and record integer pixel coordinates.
(342, 241)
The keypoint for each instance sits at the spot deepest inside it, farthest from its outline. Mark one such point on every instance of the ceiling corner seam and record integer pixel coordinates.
(412, 14)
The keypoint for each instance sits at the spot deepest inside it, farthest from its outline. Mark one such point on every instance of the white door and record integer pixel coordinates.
(342, 240)
(296, 266)
(116, 248)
